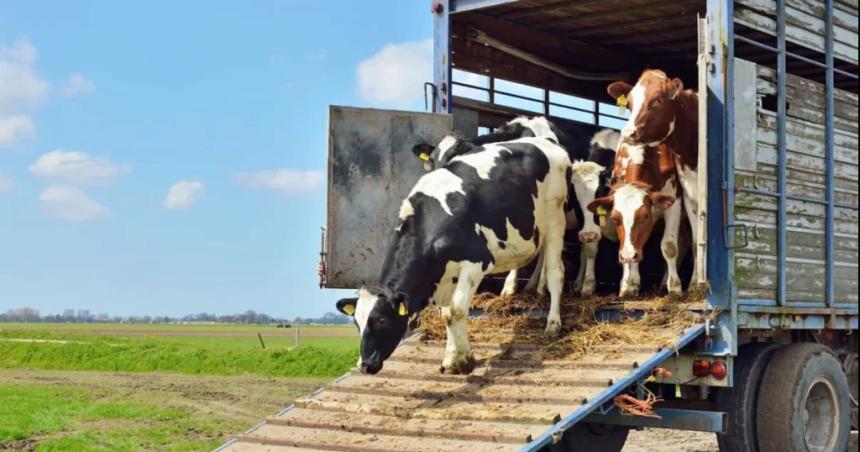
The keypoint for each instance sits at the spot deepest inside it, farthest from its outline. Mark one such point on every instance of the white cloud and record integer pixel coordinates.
(78, 84)
(285, 181)
(21, 90)
(183, 194)
(7, 185)
(77, 168)
(71, 204)
(396, 74)
(15, 127)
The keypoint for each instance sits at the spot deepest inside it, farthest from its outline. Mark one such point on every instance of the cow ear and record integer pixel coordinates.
(347, 306)
(423, 151)
(400, 302)
(601, 204)
(676, 85)
(618, 89)
(662, 201)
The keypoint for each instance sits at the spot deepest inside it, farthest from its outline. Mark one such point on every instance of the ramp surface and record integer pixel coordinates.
(513, 400)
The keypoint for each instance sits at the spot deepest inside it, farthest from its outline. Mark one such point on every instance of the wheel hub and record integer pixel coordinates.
(821, 416)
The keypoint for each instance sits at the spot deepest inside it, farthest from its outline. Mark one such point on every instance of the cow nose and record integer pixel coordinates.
(370, 368)
(627, 258)
(588, 237)
(631, 135)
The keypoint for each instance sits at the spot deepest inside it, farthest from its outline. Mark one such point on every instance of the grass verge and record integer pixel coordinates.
(65, 418)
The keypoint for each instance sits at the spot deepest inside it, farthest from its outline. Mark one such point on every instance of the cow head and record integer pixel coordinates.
(436, 156)
(453, 145)
(652, 107)
(631, 208)
(586, 183)
(382, 320)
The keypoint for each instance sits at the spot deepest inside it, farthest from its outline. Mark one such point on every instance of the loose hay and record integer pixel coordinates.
(519, 320)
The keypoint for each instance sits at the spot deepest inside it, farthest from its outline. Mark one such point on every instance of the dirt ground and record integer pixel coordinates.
(670, 441)
(241, 401)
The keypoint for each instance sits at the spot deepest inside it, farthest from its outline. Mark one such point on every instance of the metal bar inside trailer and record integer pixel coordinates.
(782, 215)
(830, 196)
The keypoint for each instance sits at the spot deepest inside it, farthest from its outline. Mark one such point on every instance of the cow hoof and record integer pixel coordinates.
(629, 292)
(508, 292)
(674, 287)
(587, 288)
(459, 366)
(553, 327)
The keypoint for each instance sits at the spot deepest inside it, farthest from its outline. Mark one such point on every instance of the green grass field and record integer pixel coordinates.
(323, 351)
(155, 387)
(38, 417)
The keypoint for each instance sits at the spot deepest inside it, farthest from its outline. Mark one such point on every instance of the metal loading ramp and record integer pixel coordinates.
(512, 401)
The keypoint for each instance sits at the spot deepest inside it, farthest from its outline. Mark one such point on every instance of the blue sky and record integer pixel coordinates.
(169, 157)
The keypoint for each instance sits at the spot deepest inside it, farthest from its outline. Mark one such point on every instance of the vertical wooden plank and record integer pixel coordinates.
(746, 129)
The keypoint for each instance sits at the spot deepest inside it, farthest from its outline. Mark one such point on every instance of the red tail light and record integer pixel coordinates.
(719, 370)
(701, 368)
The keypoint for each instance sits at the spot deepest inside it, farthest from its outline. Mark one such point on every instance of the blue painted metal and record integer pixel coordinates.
(641, 373)
(830, 282)
(782, 216)
(719, 262)
(442, 58)
(471, 5)
(693, 420)
(721, 198)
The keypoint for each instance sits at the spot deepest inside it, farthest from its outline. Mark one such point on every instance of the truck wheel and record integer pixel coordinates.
(588, 437)
(740, 401)
(804, 403)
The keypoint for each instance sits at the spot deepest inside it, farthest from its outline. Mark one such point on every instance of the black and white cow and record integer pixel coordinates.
(488, 211)
(592, 179)
(581, 141)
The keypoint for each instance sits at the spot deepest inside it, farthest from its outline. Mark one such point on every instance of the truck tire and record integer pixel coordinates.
(804, 403)
(588, 437)
(740, 400)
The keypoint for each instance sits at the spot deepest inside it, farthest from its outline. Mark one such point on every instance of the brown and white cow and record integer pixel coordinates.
(663, 113)
(645, 191)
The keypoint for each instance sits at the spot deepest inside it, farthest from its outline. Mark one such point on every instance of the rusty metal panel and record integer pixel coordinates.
(370, 170)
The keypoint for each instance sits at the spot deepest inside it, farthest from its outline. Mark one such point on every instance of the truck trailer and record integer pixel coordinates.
(772, 363)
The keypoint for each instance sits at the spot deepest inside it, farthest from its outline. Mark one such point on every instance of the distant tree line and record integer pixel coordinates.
(85, 316)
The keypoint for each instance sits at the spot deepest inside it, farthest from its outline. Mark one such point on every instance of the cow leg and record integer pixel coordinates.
(510, 287)
(554, 267)
(537, 281)
(691, 206)
(590, 251)
(669, 246)
(631, 281)
(580, 274)
(458, 353)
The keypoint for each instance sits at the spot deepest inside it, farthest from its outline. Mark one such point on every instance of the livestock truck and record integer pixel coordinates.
(774, 365)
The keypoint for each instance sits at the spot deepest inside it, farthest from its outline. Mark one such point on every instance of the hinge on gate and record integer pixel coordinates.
(730, 243)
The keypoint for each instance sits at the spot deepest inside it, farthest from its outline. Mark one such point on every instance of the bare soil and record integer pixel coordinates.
(242, 401)
(670, 441)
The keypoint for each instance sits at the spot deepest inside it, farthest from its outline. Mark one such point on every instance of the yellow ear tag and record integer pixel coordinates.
(349, 310)
(402, 310)
(622, 104)
(424, 156)
(601, 212)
